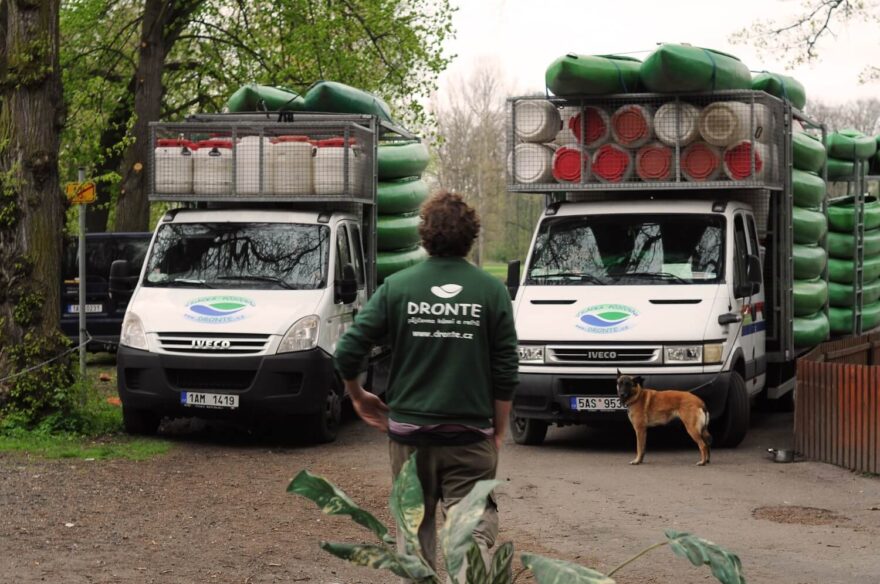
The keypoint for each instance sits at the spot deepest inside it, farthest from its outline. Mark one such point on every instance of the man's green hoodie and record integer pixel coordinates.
(453, 341)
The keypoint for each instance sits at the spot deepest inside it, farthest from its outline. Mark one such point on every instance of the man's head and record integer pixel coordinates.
(628, 386)
(449, 225)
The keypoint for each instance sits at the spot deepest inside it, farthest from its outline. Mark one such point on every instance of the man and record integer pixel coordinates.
(453, 366)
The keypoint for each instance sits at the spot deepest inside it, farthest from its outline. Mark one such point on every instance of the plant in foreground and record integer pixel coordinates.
(464, 562)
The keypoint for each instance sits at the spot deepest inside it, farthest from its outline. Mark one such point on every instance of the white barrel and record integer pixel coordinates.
(632, 126)
(531, 164)
(248, 161)
(174, 167)
(536, 120)
(742, 162)
(677, 123)
(212, 168)
(725, 123)
(331, 156)
(292, 165)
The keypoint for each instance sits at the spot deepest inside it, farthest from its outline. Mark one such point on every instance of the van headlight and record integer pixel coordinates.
(133, 334)
(686, 354)
(302, 336)
(530, 353)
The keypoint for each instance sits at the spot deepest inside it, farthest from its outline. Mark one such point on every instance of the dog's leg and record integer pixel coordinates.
(641, 436)
(695, 432)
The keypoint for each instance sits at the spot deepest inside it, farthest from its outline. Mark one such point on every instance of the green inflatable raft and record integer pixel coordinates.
(843, 170)
(842, 294)
(841, 271)
(402, 159)
(397, 231)
(850, 145)
(809, 226)
(842, 216)
(574, 75)
(782, 86)
(389, 262)
(259, 98)
(808, 188)
(810, 330)
(841, 319)
(333, 97)
(682, 68)
(809, 296)
(842, 245)
(809, 261)
(402, 195)
(808, 152)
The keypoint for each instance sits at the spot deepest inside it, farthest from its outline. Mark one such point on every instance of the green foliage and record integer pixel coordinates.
(725, 566)
(43, 391)
(68, 446)
(461, 520)
(551, 571)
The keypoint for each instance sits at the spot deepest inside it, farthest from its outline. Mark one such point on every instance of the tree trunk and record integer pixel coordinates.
(31, 207)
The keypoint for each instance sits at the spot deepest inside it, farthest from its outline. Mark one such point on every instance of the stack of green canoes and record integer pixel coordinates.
(847, 150)
(810, 226)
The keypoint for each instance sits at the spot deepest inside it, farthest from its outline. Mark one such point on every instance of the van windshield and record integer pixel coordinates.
(628, 250)
(289, 256)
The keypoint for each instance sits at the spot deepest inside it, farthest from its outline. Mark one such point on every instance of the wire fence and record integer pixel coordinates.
(48, 361)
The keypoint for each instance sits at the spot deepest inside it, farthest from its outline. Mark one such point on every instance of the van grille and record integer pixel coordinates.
(603, 356)
(213, 344)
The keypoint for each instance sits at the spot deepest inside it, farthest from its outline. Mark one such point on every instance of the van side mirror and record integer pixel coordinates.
(346, 288)
(513, 275)
(121, 282)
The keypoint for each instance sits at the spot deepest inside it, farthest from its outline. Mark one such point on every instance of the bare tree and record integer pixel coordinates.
(862, 115)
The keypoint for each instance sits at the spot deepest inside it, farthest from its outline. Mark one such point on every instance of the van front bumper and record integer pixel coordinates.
(268, 386)
(549, 396)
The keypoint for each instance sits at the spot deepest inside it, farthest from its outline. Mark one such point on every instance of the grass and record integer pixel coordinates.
(71, 446)
(497, 269)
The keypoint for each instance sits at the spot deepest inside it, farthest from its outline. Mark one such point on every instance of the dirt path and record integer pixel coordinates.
(215, 510)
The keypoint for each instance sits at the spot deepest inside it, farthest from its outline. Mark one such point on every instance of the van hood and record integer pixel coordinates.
(667, 313)
(222, 311)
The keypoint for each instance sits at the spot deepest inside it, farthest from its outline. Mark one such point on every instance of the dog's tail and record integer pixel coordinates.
(705, 431)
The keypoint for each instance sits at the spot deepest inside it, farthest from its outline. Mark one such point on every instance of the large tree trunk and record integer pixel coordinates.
(31, 207)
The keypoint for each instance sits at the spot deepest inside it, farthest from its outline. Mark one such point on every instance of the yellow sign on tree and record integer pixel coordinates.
(81, 193)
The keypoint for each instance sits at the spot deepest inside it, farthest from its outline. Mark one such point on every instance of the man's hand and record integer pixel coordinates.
(499, 440)
(368, 406)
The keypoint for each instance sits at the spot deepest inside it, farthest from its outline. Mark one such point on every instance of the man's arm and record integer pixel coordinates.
(502, 420)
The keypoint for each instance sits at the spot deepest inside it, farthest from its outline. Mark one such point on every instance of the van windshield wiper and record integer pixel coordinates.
(184, 282)
(272, 279)
(655, 276)
(580, 275)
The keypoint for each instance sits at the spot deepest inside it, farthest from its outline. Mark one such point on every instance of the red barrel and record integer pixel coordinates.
(596, 124)
(738, 160)
(568, 165)
(612, 163)
(632, 125)
(700, 162)
(654, 162)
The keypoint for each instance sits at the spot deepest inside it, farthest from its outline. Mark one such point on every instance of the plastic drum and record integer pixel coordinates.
(331, 158)
(594, 123)
(531, 164)
(292, 165)
(536, 120)
(701, 162)
(174, 166)
(632, 126)
(212, 168)
(247, 166)
(568, 165)
(655, 162)
(612, 164)
(677, 123)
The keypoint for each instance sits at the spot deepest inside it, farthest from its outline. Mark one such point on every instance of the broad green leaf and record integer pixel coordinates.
(380, 558)
(725, 565)
(476, 568)
(502, 572)
(407, 504)
(455, 536)
(550, 571)
(333, 501)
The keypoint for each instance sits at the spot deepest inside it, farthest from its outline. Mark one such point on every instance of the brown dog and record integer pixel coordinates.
(647, 407)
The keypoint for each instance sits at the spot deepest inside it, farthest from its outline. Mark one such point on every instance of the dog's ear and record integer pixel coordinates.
(639, 380)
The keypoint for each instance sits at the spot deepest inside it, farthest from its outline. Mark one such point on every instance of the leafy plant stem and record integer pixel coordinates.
(637, 556)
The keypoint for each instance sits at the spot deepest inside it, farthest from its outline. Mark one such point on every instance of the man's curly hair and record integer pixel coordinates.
(449, 225)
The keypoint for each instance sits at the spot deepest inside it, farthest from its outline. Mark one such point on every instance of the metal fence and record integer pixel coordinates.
(837, 410)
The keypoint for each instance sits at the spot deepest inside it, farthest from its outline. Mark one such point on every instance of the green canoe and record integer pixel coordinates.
(842, 215)
(850, 145)
(402, 159)
(389, 262)
(781, 86)
(396, 232)
(842, 318)
(402, 195)
(842, 294)
(842, 245)
(809, 153)
(333, 97)
(809, 226)
(841, 271)
(258, 98)
(809, 261)
(810, 330)
(809, 296)
(682, 68)
(573, 75)
(808, 188)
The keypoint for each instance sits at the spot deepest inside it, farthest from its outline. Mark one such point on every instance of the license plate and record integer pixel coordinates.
(596, 404)
(209, 400)
(90, 308)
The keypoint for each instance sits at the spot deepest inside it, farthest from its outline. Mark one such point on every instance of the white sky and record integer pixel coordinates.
(524, 36)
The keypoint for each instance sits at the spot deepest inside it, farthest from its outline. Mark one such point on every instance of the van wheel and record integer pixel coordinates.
(323, 426)
(734, 423)
(529, 431)
(140, 422)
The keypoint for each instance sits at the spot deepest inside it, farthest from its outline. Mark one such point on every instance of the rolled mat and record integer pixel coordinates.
(724, 123)
(655, 162)
(701, 162)
(402, 159)
(389, 262)
(843, 170)
(632, 126)
(612, 164)
(808, 152)
(531, 164)
(573, 75)
(850, 145)
(568, 165)
(257, 98)
(402, 195)
(677, 123)
(842, 245)
(536, 120)
(809, 261)
(841, 319)
(842, 272)
(676, 68)
(738, 160)
(842, 294)
(782, 86)
(595, 124)
(397, 231)
(334, 97)
(810, 330)
(809, 296)
(809, 226)
(842, 215)
(808, 188)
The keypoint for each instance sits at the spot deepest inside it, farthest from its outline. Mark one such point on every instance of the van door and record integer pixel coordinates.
(749, 303)
(342, 315)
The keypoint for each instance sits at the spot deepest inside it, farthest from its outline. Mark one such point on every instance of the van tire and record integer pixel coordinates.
(140, 422)
(734, 423)
(323, 426)
(528, 431)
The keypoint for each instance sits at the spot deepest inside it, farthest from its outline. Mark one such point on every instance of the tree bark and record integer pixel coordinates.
(31, 205)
